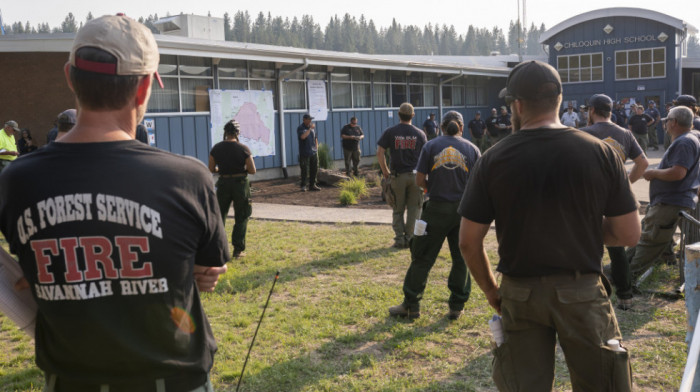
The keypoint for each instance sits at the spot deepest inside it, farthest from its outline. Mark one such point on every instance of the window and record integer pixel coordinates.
(453, 93)
(350, 88)
(398, 88)
(422, 89)
(381, 90)
(640, 64)
(475, 91)
(168, 98)
(580, 68)
(233, 74)
(186, 81)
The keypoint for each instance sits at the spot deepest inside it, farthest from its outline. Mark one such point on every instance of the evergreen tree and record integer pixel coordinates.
(69, 25)
(470, 48)
(259, 32)
(349, 32)
(228, 33)
(44, 28)
(242, 30)
(500, 40)
(17, 28)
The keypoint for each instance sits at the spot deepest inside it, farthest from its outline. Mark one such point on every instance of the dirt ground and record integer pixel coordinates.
(287, 191)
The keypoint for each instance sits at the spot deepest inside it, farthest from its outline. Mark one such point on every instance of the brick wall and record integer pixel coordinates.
(34, 90)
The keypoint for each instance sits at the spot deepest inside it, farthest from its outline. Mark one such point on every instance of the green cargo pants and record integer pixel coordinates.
(442, 222)
(409, 198)
(235, 190)
(658, 226)
(576, 310)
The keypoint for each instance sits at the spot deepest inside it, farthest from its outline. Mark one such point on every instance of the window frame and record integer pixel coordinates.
(639, 64)
(580, 69)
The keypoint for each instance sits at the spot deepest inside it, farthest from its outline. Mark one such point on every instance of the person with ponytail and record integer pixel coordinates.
(443, 169)
(233, 161)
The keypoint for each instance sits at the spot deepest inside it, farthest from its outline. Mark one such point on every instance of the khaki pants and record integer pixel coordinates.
(576, 310)
(643, 140)
(658, 226)
(409, 199)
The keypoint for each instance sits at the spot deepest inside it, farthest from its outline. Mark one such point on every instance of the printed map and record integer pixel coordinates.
(254, 111)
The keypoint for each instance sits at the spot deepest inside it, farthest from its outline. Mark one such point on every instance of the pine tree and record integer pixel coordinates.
(470, 48)
(69, 25)
(228, 33)
(242, 30)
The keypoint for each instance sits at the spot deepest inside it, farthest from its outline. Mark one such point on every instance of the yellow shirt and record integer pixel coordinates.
(7, 142)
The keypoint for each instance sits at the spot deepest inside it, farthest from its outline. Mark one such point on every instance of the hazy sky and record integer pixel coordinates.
(460, 13)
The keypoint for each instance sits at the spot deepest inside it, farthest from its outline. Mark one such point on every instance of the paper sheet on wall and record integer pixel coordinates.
(19, 306)
(318, 102)
(253, 110)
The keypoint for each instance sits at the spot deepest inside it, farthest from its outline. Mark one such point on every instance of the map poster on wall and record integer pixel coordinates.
(253, 110)
(318, 104)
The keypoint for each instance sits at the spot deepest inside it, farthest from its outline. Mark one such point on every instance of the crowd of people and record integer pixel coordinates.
(557, 194)
(149, 225)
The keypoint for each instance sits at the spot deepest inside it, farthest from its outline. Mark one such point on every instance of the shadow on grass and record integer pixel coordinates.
(22, 380)
(263, 277)
(344, 355)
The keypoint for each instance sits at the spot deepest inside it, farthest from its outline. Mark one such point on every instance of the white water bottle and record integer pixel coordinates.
(614, 345)
(496, 326)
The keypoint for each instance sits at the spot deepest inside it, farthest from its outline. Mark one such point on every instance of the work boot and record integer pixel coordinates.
(454, 314)
(314, 188)
(303, 188)
(624, 304)
(402, 311)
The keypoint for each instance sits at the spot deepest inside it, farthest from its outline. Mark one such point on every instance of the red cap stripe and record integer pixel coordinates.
(93, 66)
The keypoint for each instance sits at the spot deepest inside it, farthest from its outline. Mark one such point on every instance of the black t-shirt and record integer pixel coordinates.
(548, 190)
(350, 144)
(108, 239)
(404, 142)
(477, 127)
(230, 157)
(492, 126)
(504, 123)
(638, 123)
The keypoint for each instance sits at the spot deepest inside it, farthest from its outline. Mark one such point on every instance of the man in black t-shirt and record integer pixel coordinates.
(626, 146)
(556, 195)
(308, 153)
(430, 127)
(477, 126)
(351, 135)
(492, 136)
(116, 239)
(404, 142)
(639, 123)
(504, 125)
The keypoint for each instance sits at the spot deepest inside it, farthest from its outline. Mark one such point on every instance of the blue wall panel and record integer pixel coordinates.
(625, 29)
(190, 134)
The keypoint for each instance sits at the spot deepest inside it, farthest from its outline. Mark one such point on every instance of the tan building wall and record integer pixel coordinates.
(34, 90)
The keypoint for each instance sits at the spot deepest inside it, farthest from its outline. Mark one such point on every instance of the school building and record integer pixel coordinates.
(627, 53)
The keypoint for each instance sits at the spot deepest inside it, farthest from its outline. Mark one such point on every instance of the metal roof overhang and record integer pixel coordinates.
(173, 45)
(617, 11)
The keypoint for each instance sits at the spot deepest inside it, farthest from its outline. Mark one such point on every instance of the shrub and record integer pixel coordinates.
(373, 179)
(357, 186)
(325, 161)
(347, 198)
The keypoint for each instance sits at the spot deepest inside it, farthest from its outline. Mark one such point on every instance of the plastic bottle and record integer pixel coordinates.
(614, 345)
(496, 326)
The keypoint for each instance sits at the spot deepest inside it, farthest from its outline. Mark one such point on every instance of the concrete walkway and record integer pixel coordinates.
(306, 214)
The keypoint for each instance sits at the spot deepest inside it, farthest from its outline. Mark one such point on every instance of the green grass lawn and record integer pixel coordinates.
(327, 326)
